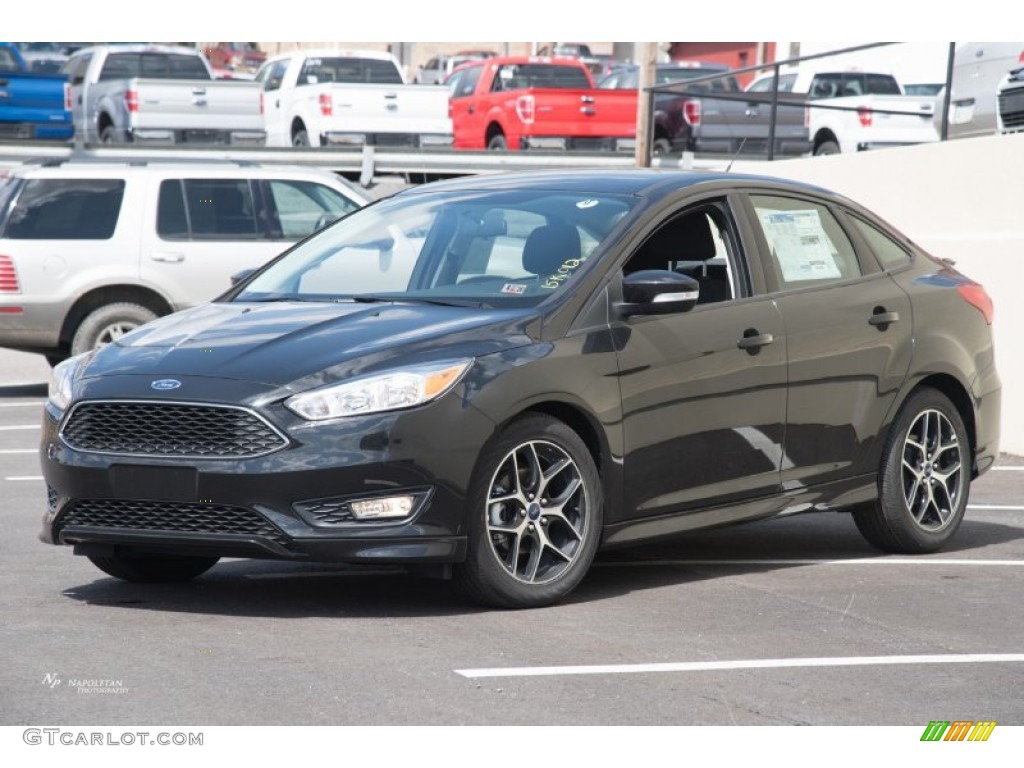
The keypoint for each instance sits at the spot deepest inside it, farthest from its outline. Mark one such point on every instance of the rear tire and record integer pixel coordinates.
(107, 324)
(827, 148)
(497, 143)
(108, 135)
(924, 478)
(661, 146)
(153, 569)
(300, 138)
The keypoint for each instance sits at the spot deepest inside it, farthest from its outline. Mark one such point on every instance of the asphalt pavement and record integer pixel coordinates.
(791, 621)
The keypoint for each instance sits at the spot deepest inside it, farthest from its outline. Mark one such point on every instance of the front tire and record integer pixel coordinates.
(108, 324)
(924, 478)
(535, 516)
(153, 569)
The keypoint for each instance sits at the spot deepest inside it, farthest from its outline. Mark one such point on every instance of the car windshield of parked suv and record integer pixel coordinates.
(500, 248)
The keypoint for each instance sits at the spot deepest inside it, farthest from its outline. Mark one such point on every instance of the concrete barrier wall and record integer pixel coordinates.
(962, 200)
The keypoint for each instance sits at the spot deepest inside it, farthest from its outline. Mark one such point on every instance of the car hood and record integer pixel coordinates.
(306, 344)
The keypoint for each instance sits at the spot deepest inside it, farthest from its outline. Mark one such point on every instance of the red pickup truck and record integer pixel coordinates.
(521, 102)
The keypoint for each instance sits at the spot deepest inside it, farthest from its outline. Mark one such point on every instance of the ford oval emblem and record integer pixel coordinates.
(165, 384)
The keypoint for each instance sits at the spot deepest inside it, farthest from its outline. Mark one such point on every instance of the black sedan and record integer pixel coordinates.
(492, 378)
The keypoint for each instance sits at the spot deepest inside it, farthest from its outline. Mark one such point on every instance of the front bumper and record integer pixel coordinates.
(272, 506)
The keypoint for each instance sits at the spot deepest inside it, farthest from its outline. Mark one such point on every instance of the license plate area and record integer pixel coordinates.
(144, 483)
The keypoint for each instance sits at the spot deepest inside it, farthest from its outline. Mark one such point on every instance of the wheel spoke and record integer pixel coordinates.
(913, 493)
(536, 474)
(553, 471)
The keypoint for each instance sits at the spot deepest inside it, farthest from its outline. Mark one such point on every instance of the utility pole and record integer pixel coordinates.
(647, 59)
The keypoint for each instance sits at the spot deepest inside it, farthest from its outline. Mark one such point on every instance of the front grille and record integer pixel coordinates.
(1011, 109)
(169, 429)
(165, 516)
(325, 512)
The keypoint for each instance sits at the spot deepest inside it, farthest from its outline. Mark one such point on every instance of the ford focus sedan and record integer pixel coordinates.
(493, 378)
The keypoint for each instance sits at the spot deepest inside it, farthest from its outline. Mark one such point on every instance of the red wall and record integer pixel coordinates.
(734, 55)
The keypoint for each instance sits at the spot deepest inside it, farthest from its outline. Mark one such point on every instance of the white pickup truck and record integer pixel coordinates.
(331, 97)
(159, 94)
(868, 125)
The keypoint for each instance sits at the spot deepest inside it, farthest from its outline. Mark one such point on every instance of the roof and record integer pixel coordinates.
(641, 182)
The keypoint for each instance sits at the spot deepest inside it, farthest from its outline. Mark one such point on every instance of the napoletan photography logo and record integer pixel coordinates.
(85, 685)
(958, 730)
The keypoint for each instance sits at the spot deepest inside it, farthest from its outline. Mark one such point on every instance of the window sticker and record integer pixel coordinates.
(514, 288)
(799, 244)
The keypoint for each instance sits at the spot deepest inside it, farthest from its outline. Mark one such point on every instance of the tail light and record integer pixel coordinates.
(449, 107)
(1020, 59)
(807, 117)
(131, 100)
(691, 112)
(975, 295)
(525, 106)
(67, 97)
(8, 276)
(326, 105)
(865, 116)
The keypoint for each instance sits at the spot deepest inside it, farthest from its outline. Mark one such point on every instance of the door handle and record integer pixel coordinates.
(753, 340)
(880, 318)
(172, 257)
(471, 109)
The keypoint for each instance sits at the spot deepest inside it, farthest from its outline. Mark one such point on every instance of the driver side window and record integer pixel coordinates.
(696, 243)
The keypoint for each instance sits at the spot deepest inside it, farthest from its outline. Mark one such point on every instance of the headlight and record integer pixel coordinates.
(60, 381)
(402, 388)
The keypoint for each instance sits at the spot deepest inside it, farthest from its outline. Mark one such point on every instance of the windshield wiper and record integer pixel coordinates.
(372, 299)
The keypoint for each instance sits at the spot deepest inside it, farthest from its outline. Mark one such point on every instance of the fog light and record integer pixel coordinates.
(386, 507)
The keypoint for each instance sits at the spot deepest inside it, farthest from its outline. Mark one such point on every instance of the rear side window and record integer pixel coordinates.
(66, 209)
(206, 209)
(806, 244)
(7, 61)
(890, 254)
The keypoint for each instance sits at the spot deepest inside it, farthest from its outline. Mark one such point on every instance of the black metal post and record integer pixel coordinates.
(774, 112)
(944, 134)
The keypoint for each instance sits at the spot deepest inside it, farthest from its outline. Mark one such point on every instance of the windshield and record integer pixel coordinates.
(492, 248)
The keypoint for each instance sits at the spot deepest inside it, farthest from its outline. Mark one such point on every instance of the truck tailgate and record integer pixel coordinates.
(197, 104)
(575, 113)
(385, 109)
(879, 128)
(32, 98)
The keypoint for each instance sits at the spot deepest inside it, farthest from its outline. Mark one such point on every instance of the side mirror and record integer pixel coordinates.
(240, 276)
(657, 292)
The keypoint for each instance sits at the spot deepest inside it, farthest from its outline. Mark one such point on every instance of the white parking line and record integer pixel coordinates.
(35, 403)
(715, 666)
(12, 451)
(1005, 507)
(19, 426)
(1008, 469)
(881, 560)
(19, 478)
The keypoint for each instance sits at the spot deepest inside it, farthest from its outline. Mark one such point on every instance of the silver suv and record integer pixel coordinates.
(89, 250)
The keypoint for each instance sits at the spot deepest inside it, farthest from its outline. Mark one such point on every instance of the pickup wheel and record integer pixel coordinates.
(661, 146)
(108, 323)
(498, 143)
(300, 138)
(827, 148)
(108, 135)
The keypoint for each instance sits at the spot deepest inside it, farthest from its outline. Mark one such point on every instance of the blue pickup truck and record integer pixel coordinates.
(32, 106)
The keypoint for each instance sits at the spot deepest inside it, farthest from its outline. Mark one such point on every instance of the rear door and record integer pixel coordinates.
(849, 330)
(199, 231)
(703, 392)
